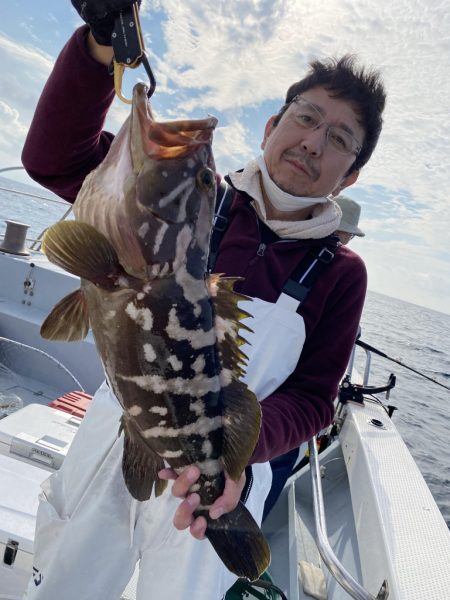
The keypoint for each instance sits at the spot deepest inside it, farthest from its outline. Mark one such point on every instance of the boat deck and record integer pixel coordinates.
(294, 513)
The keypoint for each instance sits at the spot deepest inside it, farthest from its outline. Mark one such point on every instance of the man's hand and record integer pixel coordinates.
(184, 517)
(100, 16)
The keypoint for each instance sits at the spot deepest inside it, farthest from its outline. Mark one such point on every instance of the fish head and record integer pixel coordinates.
(175, 187)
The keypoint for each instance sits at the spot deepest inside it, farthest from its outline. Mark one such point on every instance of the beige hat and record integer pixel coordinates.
(351, 212)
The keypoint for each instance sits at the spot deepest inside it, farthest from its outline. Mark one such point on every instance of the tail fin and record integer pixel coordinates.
(239, 542)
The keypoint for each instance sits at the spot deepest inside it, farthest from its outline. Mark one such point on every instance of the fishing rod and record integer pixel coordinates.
(375, 351)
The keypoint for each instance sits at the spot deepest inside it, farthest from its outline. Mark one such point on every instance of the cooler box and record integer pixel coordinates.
(38, 435)
(20, 488)
(75, 403)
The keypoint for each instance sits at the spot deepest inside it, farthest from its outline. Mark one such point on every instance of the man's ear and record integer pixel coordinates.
(346, 182)
(267, 131)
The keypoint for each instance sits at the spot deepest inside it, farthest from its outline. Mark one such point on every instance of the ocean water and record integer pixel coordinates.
(414, 335)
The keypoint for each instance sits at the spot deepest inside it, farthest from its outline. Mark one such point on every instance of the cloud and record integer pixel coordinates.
(236, 58)
(23, 74)
(232, 136)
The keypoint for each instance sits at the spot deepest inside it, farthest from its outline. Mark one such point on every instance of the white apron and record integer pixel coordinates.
(90, 532)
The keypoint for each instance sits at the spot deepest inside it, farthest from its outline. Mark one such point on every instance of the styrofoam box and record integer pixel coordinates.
(38, 435)
(20, 488)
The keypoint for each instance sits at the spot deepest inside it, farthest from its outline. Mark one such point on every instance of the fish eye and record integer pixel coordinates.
(205, 179)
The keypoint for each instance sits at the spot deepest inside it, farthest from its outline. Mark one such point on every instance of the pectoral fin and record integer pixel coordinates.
(140, 464)
(83, 251)
(69, 319)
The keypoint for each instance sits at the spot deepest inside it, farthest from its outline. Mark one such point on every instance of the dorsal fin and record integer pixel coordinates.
(242, 413)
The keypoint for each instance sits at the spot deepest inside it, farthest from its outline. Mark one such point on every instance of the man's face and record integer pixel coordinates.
(300, 160)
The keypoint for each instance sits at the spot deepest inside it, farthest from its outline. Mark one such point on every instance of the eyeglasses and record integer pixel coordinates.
(339, 139)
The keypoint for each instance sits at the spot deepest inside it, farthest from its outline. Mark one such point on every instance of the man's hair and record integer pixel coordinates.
(362, 87)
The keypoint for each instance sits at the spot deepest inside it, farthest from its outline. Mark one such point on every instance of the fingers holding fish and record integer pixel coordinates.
(184, 515)
(183, 481)
(230, 497)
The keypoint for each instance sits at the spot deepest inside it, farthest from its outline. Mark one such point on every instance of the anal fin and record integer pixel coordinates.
(140, 464)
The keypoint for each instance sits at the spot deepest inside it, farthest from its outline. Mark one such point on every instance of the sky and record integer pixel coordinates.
(235, 59)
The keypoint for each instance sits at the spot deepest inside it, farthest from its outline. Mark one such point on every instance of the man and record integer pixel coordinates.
(348, 227)
(313, 148)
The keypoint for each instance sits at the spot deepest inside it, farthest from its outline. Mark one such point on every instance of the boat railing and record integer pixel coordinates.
(367, 366)
(335, 567)
(35, 242)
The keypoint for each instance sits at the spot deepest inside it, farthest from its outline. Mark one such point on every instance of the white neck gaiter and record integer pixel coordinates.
(282, 200)
(325, 213)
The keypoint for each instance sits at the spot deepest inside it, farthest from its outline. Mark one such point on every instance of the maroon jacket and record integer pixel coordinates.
(66, 142)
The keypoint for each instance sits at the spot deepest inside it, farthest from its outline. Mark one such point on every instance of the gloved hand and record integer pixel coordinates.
(100, 16)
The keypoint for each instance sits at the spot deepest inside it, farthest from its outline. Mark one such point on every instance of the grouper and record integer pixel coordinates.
(166, 330)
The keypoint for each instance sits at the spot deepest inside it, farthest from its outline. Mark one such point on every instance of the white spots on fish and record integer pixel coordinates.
(196, 386)
(203, 223)
(223, 327)
(162, 423)
(147, 288)
(154, 270)
(165, 174)
(185, 174)
(194, 488)
(197, 309)
(210, 467)
(149, 352)
(110, 314)
(143, 230)
(171, 454)
(199, 364)
(207, 448)
(122, 282)
(141, 316)
(159, 237)
(190, 163)
(164, 269)
(175, 363)
(193, 289)
(184, 239)
(158, 410)
(196, 337)
(225, 377)
(202, 427)
(135, 410)
(183, 189)
(140, 296)
(197, 407)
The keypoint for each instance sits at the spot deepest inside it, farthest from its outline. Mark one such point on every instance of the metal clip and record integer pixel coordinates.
(129, 51)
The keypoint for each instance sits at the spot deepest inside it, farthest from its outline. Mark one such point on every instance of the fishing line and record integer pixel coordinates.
(398, 362)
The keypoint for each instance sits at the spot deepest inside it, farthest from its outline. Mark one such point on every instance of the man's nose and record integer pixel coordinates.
(314, 140)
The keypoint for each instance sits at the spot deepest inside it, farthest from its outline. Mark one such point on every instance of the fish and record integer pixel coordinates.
(166, 330)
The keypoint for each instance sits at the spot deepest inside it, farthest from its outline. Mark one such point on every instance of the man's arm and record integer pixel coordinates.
(65, 141)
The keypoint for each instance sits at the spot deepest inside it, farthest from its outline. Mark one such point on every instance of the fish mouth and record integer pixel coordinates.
(170, 139)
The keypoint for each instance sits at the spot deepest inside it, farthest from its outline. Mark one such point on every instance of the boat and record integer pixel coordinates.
(356, 519)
